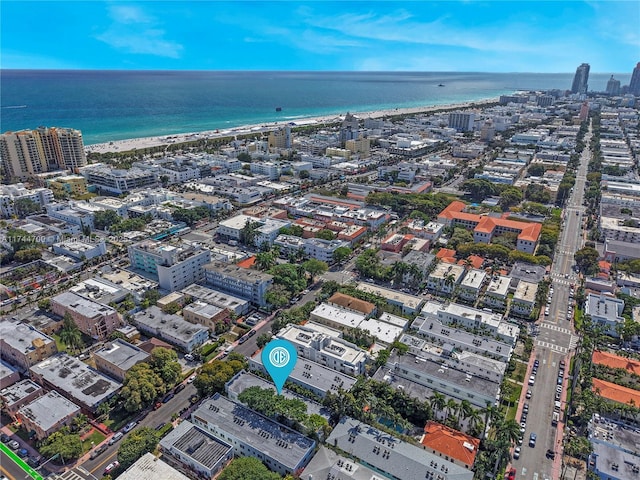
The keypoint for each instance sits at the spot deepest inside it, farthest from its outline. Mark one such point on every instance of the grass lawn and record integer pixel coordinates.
(96, 437)
(59, 343)
(519, 372)
(119, 418)
(511, 412)
(578, 318)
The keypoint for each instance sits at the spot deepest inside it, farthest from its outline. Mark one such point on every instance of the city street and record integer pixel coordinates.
(152, 419)
(555, 341)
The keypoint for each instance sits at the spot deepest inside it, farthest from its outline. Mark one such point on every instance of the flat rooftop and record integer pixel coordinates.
(197, 444)
(243, 380)
(122, 354)
(148, 467)
(16, 392)
(279, 442)
(318, 376)
(433, 330)
(243, 274)
(49, 410)
(526, 291)
(385, 332)
(172, 325)
(332, 314)
(214, 297)
(70, 375)
(83, 306)
(390, 454)
(21, 336)
(409, 301)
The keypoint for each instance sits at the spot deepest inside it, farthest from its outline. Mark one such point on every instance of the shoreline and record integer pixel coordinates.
(119, 146)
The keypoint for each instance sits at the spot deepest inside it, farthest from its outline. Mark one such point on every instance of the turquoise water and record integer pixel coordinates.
(114, 105)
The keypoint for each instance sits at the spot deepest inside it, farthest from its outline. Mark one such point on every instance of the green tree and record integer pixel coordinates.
(28, 255)
(265, 260)
(295, 230)
(249, 232)
(171, 308)
(277, 296)
(304, 174)
(244, 157)
(138, 442)
(537, 193)
(536, 169)
(460, 235)
(63, 443)
(213, 376)
(164, 362)
(587, 260)
(70, 334)
(25, 206)
(340, 254)
(141, 386)
(103, 220)
(314, 267)
(263, 339)
(247, 468)
(326, 234)
(479, 189)
(44, 304)
(509, 197)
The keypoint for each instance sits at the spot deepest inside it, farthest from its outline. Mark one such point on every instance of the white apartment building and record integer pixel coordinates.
(243, 282)
(316, 345)
(119, 181)
(171, 328)
(497, 291)
(524, 298)
(445, 277)
(471, 285)
(10, 194)
(472, 319)
(172, 267)
(311, 247)
(231, 228)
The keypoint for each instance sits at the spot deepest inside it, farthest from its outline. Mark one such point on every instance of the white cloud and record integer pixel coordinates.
(134, 31)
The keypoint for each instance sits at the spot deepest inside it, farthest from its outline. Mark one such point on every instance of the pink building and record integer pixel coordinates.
(92, 318)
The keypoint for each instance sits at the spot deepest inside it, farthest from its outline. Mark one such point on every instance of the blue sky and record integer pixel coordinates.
(489, 36)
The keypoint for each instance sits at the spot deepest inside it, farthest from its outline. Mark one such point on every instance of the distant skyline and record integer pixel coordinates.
(464, 36)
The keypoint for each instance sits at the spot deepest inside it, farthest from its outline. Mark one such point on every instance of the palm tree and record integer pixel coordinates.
(464, 410)
(449, 280)
(475, 420)
(265, 260)
(451, 406)
(437, 402)
(70, 333)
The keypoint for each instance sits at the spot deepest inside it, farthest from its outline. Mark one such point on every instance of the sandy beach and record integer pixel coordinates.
(146, 142)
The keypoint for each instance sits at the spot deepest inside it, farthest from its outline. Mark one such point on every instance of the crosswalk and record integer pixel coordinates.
(551, 326)
(562, 281)
(552, 346)
(573, 342)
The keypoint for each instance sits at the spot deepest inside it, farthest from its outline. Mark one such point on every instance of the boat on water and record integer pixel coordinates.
(278, 109)
(441, 84)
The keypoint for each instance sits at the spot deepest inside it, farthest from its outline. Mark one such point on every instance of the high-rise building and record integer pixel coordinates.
(613, 86)
(581, 79)
(462, 121)
(634, 84)
(30, 152)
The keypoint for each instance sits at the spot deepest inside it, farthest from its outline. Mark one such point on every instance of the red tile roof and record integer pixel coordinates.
(476, 261)
(486, 224)
(616, 361)
(445, 253)
(616, 393)
(450, 442)
(247, 262)
(352, 303)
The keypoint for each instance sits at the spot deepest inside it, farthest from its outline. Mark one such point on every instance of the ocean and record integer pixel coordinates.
(116, 105)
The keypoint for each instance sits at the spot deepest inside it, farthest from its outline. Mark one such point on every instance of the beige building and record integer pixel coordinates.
(92, 318)
(31, 152)
(204, 314)
(71, 184)
(47, 414)
(22, 345)
(360, 145)
(118, 357)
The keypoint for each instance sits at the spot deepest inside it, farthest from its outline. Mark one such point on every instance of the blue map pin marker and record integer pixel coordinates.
(279, 357)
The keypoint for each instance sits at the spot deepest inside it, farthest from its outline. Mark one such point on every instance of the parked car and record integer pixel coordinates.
(33, 462)
(550, 454)
(532, 380)
(130, 426)
(168, 397)
(529, 394)
(179, 388)
(23, 453)
(532, 440)
(4, 438)
(100, 449)
(160, 426)
(516, 453)
(191, 378)
(111, 467)
(13, 445)
(157, 405)
(116, 437)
